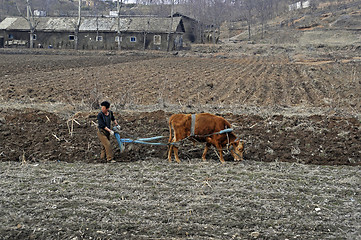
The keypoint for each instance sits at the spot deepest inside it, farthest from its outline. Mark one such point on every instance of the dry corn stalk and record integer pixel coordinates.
(71, 127)
(23, 158)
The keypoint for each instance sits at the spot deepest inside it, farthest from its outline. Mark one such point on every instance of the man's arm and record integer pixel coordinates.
(113, 119)
(110, 131)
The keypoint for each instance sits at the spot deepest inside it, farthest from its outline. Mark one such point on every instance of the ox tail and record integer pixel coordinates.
(170, 147)
(170, 130)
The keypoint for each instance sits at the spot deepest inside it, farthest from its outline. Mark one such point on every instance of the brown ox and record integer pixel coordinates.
(205, 129)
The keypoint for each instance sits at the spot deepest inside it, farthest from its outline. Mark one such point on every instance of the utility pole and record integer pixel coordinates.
(171, 25)
(78, 26)
(145, 34)
(30, 20)
(118, 28)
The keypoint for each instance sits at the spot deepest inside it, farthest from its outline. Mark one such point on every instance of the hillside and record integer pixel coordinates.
(337, 24)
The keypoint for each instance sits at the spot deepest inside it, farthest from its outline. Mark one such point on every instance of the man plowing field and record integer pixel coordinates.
(105, 117)
(204, 127)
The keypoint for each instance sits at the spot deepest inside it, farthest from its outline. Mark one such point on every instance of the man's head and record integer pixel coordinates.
(105, 106)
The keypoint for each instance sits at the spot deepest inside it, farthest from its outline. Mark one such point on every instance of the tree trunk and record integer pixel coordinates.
(249, 30)
(31, 24)
(118, 28)
(171, 26)
(31, 38)
(76, 38)
(77, 27)
(214, 35)
(145, 41)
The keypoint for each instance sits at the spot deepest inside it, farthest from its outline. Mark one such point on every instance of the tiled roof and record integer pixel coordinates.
(132, 24)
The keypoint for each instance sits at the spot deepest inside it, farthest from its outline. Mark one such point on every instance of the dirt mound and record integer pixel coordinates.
(33, 135)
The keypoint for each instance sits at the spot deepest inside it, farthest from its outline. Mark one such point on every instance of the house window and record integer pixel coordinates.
(71, 37)
(133, 39)
(157, 39)
(99, 38)
(117, 38)
(11, 36)
(34, 36)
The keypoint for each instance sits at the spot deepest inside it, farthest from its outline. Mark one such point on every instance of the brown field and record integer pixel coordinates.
(286, 111)
(295, 110)
(197, 80)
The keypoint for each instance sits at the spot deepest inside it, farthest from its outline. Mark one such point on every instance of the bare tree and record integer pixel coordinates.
(264, 10)
(198, 10)
(210, 14)
(247, 8)
(219, 12)
(146, 30)
(47, 5)
(31, 21)
(171, 26)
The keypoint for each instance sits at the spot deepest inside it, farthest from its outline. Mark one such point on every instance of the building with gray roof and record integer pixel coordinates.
(98, 32)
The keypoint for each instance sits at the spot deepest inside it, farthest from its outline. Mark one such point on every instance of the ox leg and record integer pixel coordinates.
(234, 155)
(175, 150)
(241, 155)
(210, 141)
(176, 154)
(220, 153)
(170, 149)
(205, 151)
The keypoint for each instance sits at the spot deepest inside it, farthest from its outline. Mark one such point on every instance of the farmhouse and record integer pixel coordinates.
(193, 30)
(99, 32)
(299, 5)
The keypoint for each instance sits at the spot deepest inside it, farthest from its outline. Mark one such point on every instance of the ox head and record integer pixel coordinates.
(237, 149)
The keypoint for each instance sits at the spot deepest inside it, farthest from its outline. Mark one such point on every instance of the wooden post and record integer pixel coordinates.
(77, 27)
(171, 25)
(29, 18)
(118, 28)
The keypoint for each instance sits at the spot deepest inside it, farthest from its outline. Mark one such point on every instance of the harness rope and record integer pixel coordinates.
(148, 140)
(192, 135)
(193, 124)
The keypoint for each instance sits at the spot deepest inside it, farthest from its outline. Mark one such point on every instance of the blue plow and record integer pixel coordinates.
(121, 141)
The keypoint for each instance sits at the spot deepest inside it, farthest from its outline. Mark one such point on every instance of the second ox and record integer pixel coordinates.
(203, 127)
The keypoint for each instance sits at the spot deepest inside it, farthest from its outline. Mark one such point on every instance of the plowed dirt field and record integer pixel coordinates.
(294, 113)
(144, 79)
(286, 111)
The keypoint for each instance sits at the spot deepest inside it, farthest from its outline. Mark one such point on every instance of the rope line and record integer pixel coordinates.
(147, 141)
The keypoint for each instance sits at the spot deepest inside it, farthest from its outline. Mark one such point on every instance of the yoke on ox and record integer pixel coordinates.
(203, 127)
